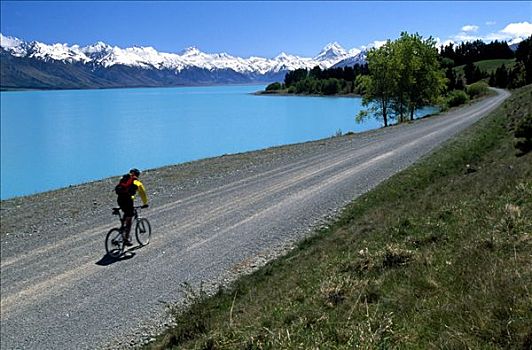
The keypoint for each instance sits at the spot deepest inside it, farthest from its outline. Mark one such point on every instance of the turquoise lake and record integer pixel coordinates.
(53, 139)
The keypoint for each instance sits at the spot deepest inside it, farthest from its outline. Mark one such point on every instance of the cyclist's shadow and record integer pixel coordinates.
(108, 260)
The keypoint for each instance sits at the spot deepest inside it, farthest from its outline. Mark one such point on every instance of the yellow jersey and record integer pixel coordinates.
(141, 191)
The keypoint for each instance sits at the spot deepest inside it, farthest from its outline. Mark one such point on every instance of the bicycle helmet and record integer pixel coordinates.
(135, 172)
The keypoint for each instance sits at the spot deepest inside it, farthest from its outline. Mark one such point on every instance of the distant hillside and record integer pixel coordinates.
(489, 66)
(28, 73)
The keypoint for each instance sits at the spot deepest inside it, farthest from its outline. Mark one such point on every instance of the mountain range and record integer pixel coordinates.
(35, 65)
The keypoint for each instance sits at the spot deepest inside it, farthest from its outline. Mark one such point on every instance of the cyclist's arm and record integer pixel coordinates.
(142, 191)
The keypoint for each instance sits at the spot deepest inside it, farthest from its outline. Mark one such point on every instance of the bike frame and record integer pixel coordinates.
(142, 232)
(118, 211)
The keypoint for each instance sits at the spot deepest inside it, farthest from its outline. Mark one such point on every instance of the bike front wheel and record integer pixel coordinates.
(143, 231)
(114, 243)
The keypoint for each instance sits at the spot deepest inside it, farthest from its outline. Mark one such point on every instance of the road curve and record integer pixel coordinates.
(58, 291)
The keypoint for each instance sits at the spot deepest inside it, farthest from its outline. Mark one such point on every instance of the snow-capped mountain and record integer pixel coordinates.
(186, 63)
(331, 54)
(355, 57)
(147, 57)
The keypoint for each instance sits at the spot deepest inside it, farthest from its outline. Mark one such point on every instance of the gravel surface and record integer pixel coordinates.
(212, 221)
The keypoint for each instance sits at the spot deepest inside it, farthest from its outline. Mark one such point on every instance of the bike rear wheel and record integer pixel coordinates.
(114, 243)
(143, 231)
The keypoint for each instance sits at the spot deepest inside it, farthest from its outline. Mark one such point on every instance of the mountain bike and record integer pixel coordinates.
(114, 242)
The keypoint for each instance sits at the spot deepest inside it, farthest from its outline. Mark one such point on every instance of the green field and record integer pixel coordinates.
(437, 257)
(489, 66)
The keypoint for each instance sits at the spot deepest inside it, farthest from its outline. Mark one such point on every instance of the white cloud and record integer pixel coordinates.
(470, 28)
(491, 23)
(513, 33)
(376, 44)
(523, 29)
(463, 36)
(496, 36)
(440, 43)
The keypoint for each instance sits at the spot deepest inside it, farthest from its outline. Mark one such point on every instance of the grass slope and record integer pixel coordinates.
(489, 66)
(438, 256)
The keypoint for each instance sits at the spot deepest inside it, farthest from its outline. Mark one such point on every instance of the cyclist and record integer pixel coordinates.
(126, 190)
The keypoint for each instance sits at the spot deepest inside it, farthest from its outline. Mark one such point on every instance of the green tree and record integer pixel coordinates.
(492, 81)
(428, 82)
(403, 75)
(406, 62)
(459, 84)
(501, 77)
(331, 86)
(295, 76)
(380, 85)
(473, 73)
(451, 78)
(517, 76)
(315, 72)
(273, 86)
(523, 54)
(469, 73)
(361, 82)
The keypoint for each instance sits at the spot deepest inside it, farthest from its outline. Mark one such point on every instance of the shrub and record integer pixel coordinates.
(457, 98)
(273, 86)
(292, 90)
(477, 89)
(523, 132)
(330, 86)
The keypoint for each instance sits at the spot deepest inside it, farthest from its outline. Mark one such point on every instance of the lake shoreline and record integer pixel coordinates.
(214, 159)
(175, 122)
(299, 147)
(274, 93)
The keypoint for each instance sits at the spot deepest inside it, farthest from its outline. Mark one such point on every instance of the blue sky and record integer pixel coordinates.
(264, 28)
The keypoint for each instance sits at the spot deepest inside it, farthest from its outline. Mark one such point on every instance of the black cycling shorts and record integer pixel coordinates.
(126, 204)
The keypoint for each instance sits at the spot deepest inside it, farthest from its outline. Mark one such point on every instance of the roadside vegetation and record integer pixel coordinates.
(438, 256)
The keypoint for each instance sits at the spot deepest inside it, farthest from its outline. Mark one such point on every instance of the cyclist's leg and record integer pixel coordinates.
(126, 204)
(127, 224)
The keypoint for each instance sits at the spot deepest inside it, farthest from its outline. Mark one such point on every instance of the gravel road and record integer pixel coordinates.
(212, 220)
